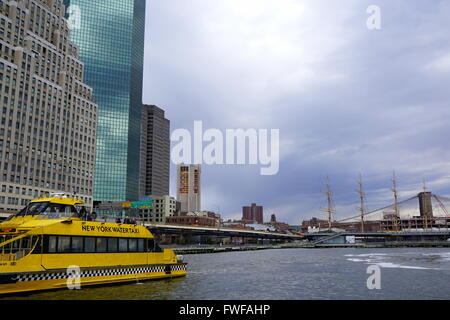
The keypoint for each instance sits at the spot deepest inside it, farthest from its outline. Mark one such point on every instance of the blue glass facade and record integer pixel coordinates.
(111, 44)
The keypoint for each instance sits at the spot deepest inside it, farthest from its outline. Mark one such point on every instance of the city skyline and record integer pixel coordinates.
(221, 151)
(358, 128)
(347, 99)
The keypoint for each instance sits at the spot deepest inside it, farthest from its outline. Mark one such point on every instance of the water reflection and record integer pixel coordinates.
(149, 290)
(289, 274)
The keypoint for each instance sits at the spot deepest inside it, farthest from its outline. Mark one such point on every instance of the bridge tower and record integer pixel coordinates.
(425, 205)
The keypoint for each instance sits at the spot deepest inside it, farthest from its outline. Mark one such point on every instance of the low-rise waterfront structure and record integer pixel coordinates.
(163, 208)
(199, 218)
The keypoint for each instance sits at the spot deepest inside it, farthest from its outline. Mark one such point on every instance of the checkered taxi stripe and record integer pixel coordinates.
(97, 273)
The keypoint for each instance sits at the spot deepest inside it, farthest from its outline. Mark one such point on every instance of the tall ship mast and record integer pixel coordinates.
(396, 206)
(362, 207)
(329, 210)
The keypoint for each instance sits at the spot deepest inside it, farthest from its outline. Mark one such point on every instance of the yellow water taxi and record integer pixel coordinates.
(50, 245)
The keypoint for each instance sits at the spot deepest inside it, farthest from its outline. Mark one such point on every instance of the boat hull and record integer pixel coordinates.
(23, 282)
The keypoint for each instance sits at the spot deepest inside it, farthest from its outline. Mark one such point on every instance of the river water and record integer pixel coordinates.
(290, 274)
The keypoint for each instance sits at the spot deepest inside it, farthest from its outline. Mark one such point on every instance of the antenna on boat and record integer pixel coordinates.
(59, 195)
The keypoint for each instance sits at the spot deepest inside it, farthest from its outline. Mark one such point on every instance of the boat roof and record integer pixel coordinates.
(59, 200)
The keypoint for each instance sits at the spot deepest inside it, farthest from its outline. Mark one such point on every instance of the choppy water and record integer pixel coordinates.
(291, 274)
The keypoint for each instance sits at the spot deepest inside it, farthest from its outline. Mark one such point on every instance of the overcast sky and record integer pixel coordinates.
(347, 100)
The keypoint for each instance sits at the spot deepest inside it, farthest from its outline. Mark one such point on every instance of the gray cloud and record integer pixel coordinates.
(346, 99)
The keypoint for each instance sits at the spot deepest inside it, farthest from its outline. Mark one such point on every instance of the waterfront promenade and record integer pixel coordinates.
(208, 249)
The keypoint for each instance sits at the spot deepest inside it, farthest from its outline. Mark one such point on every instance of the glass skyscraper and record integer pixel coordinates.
(110, 36)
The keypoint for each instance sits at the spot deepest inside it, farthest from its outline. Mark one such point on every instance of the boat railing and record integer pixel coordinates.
(11, 257)
(18, 248)
(7, 257)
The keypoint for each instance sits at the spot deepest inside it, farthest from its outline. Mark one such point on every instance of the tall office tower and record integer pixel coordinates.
(110, 35)
(189, 187)
(155, 153)
(253, 213)
(48, 121)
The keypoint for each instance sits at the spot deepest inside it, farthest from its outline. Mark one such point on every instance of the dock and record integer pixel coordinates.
(221, 249)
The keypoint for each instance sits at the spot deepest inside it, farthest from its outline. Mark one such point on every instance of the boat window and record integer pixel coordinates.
(141, 245)
(101, 244)
(158, 248)
(52, 244)
(132, 245)
(150, 245)
(77, 244)
(59, 211)
(123, 245)
(89, 245)
(33, 209)
(112, 244)
(64, 244)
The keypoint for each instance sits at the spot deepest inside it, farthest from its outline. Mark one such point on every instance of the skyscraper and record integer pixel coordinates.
(110, 36)
(155, 153)
(253, 213)
(189, 187)
(48, 121)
